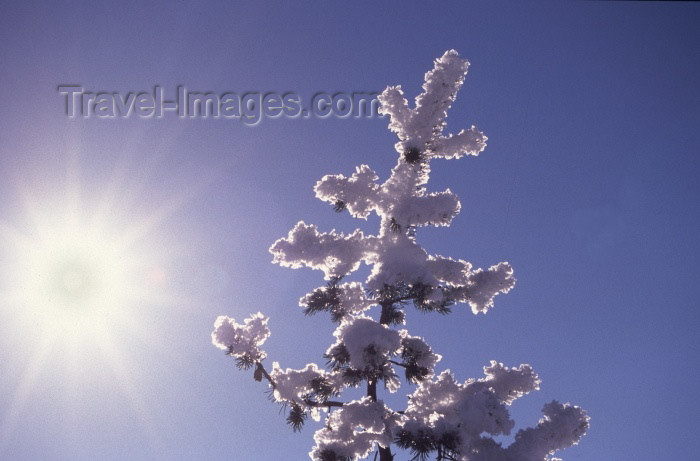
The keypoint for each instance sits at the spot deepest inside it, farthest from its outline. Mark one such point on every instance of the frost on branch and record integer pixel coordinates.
(359, 193)
(563, 425)
(362, 351)
(443, 414)
(443, 418)
(298, 385)
(482, 286)
(418, 358)
(334, 254)
(420, 129)
(339, 300)
(403, 205)
(353, 431)
(453, 416)
(241, 341)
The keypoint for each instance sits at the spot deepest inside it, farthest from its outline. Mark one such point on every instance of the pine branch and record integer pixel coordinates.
(261, 372)
(339, 206)
(413, 155)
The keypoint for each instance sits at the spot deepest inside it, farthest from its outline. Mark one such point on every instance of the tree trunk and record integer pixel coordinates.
(384, 453)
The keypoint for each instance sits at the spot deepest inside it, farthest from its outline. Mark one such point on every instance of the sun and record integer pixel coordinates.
(85, 274)
(73, 268)
(85, 268)
(77, 274)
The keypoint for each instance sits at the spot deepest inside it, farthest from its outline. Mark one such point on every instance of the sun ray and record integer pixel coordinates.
(26, 383)
(122, 367)
(80, 280)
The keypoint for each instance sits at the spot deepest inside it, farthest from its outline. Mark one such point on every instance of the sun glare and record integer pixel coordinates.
(76, 275)
(84, 271)
(85, 274)
(73, 274)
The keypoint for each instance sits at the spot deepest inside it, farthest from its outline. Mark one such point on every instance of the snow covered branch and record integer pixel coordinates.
(445, 418)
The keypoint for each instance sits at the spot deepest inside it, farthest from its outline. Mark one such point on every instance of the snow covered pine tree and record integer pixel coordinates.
(444, 418)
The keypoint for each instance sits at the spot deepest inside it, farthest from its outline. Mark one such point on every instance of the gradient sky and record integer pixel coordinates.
(588, 186)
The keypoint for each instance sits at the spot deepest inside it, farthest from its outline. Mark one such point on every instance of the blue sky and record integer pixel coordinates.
(588, 187)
